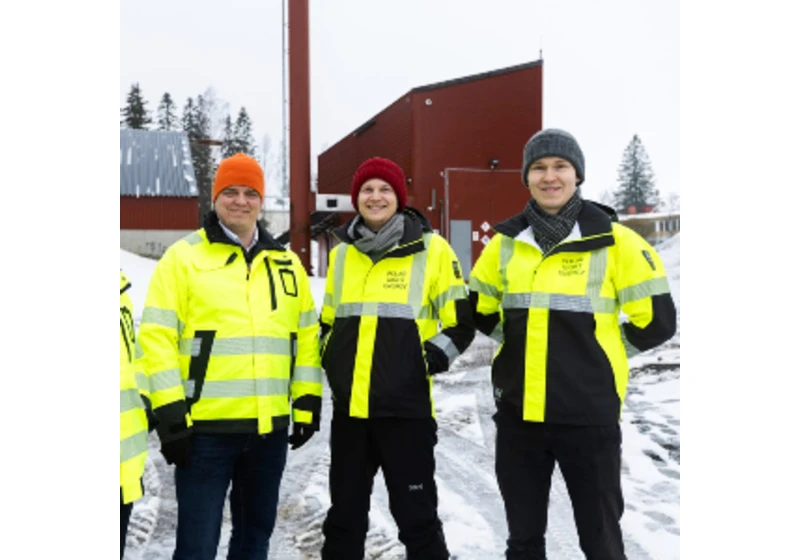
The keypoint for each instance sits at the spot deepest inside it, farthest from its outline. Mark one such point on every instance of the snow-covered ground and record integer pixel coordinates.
(470, 504)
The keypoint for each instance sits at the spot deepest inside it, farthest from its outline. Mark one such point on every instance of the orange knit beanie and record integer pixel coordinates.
(238, 170)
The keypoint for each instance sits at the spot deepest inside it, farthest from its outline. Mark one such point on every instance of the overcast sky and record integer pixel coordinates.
(611, 68)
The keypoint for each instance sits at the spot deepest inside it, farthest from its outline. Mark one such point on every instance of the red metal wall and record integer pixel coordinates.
(484, 199)
(158, 212)
(390, 137)
(466, 125)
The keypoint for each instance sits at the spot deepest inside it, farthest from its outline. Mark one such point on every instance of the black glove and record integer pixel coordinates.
(436, 359)
(152, 420)
(178, 451)
(301, 433)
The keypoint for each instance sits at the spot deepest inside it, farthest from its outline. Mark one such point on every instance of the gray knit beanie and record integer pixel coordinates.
(552, 142)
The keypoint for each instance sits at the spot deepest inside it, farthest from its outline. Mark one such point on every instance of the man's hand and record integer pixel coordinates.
(178, 451)
(301, 433)
(436, 359)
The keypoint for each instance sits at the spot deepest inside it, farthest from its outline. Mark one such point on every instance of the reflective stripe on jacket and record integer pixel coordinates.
(132, 417)
(563, 353)
(229, 337)
(381, 321)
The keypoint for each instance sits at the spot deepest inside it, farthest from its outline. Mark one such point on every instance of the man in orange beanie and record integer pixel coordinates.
(229, 337)
(238, 193)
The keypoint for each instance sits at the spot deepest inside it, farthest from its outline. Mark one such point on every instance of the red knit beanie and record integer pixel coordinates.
(238, 170)
(384, 169)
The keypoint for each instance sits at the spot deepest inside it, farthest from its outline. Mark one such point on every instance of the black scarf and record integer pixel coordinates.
(551, 229)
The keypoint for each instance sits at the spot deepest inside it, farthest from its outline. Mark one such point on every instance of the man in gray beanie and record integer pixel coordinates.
(553, 142)
(555, 198)
(552, 283)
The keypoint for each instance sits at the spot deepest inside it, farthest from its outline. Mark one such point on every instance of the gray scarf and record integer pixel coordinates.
(551, 229)
(375, 244)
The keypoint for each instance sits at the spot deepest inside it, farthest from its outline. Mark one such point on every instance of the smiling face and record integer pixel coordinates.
(237, 207)
(377, 202)
(552, 182)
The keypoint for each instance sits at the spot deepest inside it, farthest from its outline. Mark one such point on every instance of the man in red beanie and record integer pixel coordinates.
(230, 347)
(391, 283)
(384, 169)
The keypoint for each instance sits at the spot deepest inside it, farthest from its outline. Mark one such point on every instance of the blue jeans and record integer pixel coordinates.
(254, 464)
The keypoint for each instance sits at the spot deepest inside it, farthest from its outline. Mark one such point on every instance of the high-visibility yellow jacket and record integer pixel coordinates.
(380, 322)
(229, 337)
(563, 352)
(132, 417)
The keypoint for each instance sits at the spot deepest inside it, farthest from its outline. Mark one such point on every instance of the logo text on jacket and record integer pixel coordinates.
(572, 266)
(396, 280)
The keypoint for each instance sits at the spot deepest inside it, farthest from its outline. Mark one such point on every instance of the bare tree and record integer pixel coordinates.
(271, 163)
(607, 198)
(216, 110)
(673, 203)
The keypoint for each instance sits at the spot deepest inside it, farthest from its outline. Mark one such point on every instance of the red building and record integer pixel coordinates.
(459, 143)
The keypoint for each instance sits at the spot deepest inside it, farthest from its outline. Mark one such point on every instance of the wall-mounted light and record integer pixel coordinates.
(493, 163)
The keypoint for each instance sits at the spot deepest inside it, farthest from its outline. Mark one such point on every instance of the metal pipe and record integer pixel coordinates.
(299, 133)
(284, 145)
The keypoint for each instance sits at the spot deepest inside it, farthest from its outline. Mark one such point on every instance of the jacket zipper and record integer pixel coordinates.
(271, 284)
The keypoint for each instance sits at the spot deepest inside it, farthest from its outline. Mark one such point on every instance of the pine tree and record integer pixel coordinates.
(243, 134)
(135, 114)
(204, 168)
(636, 180)
(187, 121)
(196, 124)
(228, 141)
(167, 120)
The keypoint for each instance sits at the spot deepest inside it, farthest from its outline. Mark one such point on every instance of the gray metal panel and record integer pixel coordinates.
(461, 242)
(155, 163)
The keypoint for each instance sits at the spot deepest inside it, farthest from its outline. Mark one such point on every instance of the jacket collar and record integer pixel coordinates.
(594, 222)
(215, 234)
(415, 225)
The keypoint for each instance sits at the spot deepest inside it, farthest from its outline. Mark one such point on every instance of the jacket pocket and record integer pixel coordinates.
(288, 281)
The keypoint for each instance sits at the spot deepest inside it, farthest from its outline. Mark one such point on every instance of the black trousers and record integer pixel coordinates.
(589, 457)
(403, 448)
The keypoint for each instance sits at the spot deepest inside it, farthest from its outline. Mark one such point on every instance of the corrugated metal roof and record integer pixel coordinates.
(155, 163)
